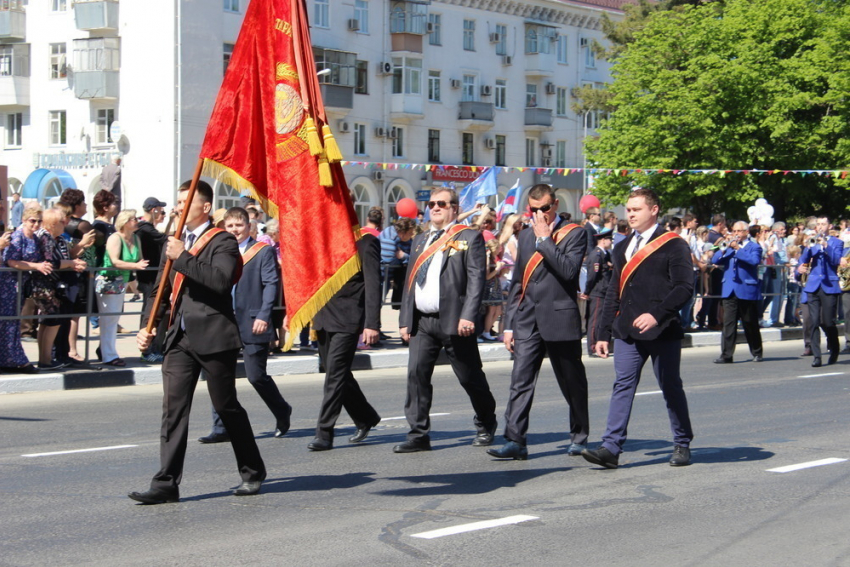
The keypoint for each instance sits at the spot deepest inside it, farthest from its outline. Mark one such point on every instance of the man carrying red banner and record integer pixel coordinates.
(652, 281)
(440, 303)
(543, 318)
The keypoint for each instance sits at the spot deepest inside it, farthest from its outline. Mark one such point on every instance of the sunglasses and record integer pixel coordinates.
(543, 209)
(34, 221)
(441, 204)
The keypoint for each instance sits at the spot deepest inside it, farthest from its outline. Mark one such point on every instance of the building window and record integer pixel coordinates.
(321, 18)
(362, 199)
(58, 5)
(409, 17)
(538, 39)
(231, 6)
(501, 98)
(433, 146)
(436, 21)
(530, 96)
(97, 54)
(469, 35)
(105, 118)
(468, 156)
(361, 14)
(561, 101)
(362, 80)
(58, 130)
(589, 56)
(407, 75)
(501, 150)
(398, 142)
(560, 153)
(561, 49)
(58, 67)
(14, 129)
(434, 86)
(502, 44)
(227, 53)
(530, 153)
(340, 63)
(360, 139)
(467, 93)
(15, 60)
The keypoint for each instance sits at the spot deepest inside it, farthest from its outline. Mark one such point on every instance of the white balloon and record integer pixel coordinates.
(761, 202)
(768, 210)
(751, 213)
(768, 221)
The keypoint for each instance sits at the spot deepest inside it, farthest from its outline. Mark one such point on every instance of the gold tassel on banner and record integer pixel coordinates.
(325, 177)
(313, 141)
(331, 147)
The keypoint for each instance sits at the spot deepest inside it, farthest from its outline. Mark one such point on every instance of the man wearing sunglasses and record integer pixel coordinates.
(439, 306)
(543, 317)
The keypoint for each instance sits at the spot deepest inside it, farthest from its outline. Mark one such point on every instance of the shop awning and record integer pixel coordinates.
(37, 182)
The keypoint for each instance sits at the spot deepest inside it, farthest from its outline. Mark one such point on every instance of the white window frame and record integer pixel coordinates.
(321, 14)
(562, 50)
(532, 99)
(58, 61)
(434, 86)
(561, 153)
(530, 152)
(435, 156)
(469, 35)
(589, 56)
(467, 144)
(501, 150)
(502, 44)
(407, 75)
(500, 99)
(58, 127)
(14, 130)
(435, 37)
(105, 118)
(359, 139)
(398, 143)
(231, 6)
(59, 6)
(561, 101)
(361, 14)
(469, 88)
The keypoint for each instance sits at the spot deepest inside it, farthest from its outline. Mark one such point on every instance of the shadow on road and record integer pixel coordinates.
(709, 455)
(466, 483)
(3, 418)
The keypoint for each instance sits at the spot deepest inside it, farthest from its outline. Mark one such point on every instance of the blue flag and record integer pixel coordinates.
(479, 190)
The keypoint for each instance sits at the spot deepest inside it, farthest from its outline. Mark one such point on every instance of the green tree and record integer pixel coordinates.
(743, 84)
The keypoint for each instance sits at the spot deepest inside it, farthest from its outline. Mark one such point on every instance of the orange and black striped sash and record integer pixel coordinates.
(252, 252)
(641, 255)
(433, 249)
(537, 257)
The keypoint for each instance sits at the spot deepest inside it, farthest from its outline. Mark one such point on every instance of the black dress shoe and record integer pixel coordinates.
(248, 488)
(816, 362)
(510, 450)
(361, 433)
(758, 359)
(413, 445)
(833, 357)
(320, 445)
(681, 456)
(602, 457)
(485, 438)
(215, 438)
(283, 425)
(156, 496)
(722, 360)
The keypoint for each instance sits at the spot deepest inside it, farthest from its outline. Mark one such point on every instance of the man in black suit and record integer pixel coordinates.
(543, 317)
(254, 299)
(355, 309)
(202, 335)
(440, 303)
(652, 281)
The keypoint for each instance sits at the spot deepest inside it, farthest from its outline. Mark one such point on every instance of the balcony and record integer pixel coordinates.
(96, 15)
(538, 119)
(96, 68)
(476, 115)
(14, 75)
(97, 85)
(337, 97)
(337, 75)
(539, 65)
(408, 25)
(406, 107)
(13, 20)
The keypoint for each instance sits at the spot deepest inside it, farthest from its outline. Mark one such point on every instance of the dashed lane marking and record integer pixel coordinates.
(463, 528)
(810, 464)
(821, 375)
(649, 393)
(80, 451)
(402, 417)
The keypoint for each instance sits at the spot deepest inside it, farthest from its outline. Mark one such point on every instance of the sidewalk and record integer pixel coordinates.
(391, 354)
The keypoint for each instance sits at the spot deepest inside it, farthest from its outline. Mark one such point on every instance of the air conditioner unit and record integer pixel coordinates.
(486, 90)
(429, 27)
(378, 175)
(495, 37)
(490, 143)
(342, 127)
(553, 37)
(547, 162)
(455, 83)
(385, 68)
(507, 60)
(547, 153)
(392, 133)
(354, 24)
(380, 132)
(550, 88)
(584, 42)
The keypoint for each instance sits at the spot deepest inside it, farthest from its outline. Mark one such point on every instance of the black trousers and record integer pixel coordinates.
(180, 372)
(822, 309)
(337, 350)
(565, 357)
(425, 347)
(748, 312)
(256, 359)
(594, 311)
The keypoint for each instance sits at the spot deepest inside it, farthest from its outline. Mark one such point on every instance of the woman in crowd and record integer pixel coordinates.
(492, 287)
(80, 236)
(105, 206)
(12, 356)
(123, 251)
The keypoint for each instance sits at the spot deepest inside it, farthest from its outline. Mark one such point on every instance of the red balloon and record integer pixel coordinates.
(407, 208)
(587, 202)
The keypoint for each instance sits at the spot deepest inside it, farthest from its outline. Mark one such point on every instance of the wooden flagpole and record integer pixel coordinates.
(178, 230)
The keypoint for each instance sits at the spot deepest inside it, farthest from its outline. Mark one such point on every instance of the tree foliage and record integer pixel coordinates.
(740, 84)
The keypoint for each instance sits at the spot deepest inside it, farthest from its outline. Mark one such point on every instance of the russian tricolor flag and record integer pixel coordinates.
(509, 205)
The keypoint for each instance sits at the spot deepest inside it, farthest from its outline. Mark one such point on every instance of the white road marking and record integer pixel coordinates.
(649, 393)
(474, 526)
(402, 417)
(824, 374)
(810, 464)
(79, 451)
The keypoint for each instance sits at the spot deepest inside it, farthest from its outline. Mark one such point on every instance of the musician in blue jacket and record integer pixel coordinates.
(741, 293)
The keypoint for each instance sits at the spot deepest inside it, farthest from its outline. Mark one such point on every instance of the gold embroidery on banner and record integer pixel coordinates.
(283, 26)
(286, 71)
(290, 148)
(289, 109)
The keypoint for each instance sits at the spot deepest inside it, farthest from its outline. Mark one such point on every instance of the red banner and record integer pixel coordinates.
(268, 135)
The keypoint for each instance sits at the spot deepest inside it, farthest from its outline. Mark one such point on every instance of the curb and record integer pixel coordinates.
(309, 364)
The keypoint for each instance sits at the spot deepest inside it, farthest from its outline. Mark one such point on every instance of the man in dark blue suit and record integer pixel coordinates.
(741, 293)
(653, 279)
(254, 298)
(821, 262)
(543, 318)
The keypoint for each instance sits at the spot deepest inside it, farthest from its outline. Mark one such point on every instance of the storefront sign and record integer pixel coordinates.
(423, 195)
(73, 161)
(451, 173)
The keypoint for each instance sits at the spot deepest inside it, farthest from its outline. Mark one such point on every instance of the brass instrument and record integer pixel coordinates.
(802, 277)
(844, 278)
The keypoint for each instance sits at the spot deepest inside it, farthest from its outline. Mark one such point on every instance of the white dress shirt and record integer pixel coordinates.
(427, 297)
(644, 238)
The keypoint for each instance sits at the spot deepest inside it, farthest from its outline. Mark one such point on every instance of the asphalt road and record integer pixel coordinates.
(364, 505)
